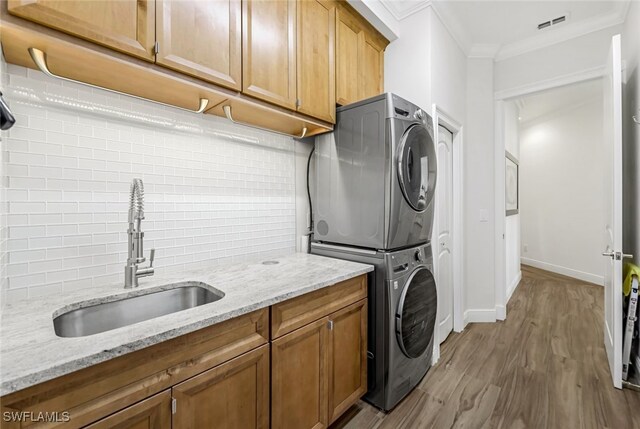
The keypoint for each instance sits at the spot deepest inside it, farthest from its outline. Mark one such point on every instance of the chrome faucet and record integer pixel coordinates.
(136, 238)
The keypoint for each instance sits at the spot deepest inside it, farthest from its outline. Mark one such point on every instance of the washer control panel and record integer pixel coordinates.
(404, 261)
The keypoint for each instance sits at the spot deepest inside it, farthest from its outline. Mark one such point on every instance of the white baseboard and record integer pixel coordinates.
(501, 312)
(576, 274)
(479, 316)
(514, 284)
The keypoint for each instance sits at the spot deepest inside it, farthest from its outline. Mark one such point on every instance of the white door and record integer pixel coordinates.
(442, 249)
(613, 211)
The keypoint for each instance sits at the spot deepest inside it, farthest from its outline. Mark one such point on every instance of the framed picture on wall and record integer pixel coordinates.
(511, 181)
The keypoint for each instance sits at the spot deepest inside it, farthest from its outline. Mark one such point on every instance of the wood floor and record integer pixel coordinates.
(543, 367)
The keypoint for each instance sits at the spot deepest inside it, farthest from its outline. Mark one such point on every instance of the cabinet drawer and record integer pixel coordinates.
(297, 312)
(152, 413)
(95, 392)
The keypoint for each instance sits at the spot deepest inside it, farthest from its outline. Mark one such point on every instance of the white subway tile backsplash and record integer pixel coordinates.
(45, 290)
(61, 275)
(20, 281)
(27, 255)
(209, 199)
(45, 242)
(26, 231)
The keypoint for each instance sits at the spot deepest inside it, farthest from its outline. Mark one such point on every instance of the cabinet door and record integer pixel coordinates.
(347, 41)
(371, 64)
(201, 38)
(316, 69)
(299, 383)
(269, 51)
(125, 25)
(234, 395)
(152, 413)
(347, 358)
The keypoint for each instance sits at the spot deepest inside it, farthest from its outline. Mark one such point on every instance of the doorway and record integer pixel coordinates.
(578, 151)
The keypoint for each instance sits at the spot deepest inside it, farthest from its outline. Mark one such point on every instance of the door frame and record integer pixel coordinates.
(441, 117)
(500, 97)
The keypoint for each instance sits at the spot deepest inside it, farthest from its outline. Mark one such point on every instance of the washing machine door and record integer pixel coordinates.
(417, 167)
(416, 313)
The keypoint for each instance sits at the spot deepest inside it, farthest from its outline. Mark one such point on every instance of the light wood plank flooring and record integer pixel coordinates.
(543, 367)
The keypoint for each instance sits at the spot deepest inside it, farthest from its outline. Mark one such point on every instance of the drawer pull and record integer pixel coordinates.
(40, 58)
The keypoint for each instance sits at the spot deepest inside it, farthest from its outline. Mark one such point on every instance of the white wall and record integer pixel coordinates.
(407, 67)
(512, 223)
(215, 192)
(448, 65)
(562, 198)
(425, 65)
(479, 192)
(552, 62)
(631, 132)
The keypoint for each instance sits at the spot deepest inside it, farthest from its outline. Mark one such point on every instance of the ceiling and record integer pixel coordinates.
(547, 102)
(500, 29)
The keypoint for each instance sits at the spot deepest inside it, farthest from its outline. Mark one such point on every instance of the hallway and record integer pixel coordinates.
(543, 367)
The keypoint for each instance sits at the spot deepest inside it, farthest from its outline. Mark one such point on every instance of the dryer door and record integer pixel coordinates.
(416, 313)
(417, 167)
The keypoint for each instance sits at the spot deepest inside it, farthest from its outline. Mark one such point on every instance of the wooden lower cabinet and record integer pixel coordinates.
(152, 413)
(319, 370)
(225, 376)
(299, 384)
(234, 395)
(347, 358)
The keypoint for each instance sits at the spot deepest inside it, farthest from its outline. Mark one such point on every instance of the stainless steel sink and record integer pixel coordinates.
(106, 316)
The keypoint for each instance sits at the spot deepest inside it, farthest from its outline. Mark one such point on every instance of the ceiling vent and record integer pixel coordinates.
(555, 21)
(544, 25)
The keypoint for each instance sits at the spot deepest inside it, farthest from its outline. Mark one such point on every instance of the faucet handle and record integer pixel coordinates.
(152, 256)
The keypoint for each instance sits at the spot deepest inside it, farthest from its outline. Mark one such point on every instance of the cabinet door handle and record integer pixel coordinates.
(227, 113)
(40, 58)
(330, 325)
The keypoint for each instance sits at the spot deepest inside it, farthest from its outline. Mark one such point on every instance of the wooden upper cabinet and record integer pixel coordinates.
(124, 25)
(347, 43)
(152, 413)
(359, 58)
(299, 384)
(371, 57)
(347, 358)
(201, 38)
(316, 59)
(269, 51)
(234, 395)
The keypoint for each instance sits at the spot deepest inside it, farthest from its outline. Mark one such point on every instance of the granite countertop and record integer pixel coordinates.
(31, 353)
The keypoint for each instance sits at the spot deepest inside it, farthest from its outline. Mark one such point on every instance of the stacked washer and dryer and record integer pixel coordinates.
(375, 179)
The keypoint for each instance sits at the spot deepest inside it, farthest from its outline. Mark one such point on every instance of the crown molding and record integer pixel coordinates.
(399, 14)
(564, 33)
(551, 37)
